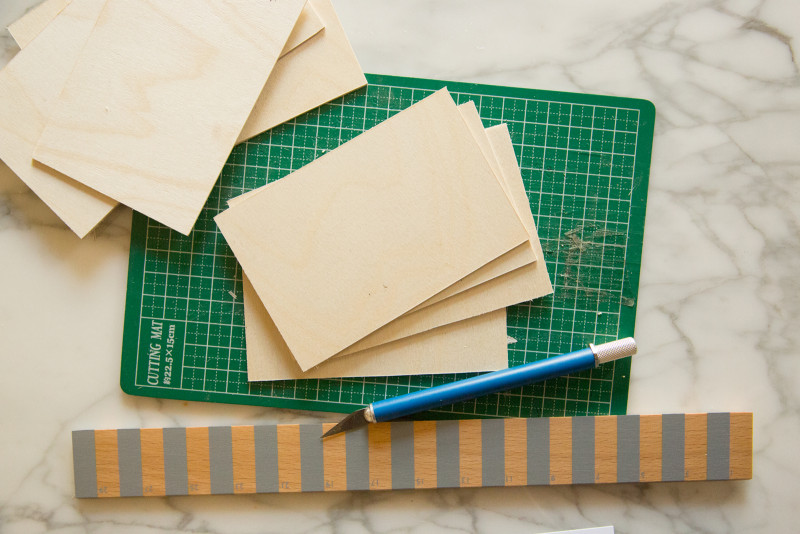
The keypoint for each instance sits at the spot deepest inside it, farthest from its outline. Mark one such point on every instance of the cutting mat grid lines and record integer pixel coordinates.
(585, 163)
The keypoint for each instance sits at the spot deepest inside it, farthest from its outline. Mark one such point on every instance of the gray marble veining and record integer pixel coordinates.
(717, 313)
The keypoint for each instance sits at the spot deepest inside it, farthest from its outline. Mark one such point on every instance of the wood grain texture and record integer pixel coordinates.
(289, 458)
(29, 87)
(334, 259)
(425, 454)
(515, 258)
(80, 207)
(153, 461)
(323, 68)
(434, 351)
(416, 449)
(525, 283)
(334, 460)
(159, 96)
(380, 456)
(649, 448)
(560, 450)
(308, 25)
(741, 457)
(107, 462)
(477, 344)
(31, 24)
(198, 468)
(516, 452)
(470, 453)
(605, 448)
(696, 446)
(243, 453)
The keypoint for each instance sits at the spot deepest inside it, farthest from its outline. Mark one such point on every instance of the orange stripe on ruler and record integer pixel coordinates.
(243, 451)
(516, 452)
(152, 443)
(380, 456)
(561, 450)
(741, 453)
(289, 458)
(198, 466)
(107, 463)
(334, 460)
(649, 448)
(695, 446)
(425, 454)
(470, 452)
(605, 449)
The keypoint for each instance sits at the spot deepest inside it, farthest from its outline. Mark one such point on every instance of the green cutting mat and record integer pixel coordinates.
(585, 161)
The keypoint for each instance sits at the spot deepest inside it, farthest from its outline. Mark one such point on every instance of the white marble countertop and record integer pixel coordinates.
(718, 305)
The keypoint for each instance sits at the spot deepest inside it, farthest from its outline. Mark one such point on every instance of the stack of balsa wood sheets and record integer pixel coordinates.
(395, 253)
(140, 102)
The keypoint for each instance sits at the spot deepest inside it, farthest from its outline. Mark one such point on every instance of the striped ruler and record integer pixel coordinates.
(418, 454)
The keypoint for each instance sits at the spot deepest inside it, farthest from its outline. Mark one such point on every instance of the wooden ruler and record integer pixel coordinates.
(418, 454)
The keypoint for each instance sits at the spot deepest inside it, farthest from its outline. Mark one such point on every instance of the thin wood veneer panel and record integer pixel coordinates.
(24, 29)
(524, 254)
(40, 73)
(363, 234)
(477, 344)
(31, 24)
(159, 96)
(517, 257)
(406, 455)
(526, 283)
(29, 87)
(321, 69)
(308, 25)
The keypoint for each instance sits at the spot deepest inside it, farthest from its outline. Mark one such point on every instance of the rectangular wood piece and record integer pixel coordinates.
(82, 208)
(377, 235)
(28, 26)
(126, 123)
(525, 283)
(30, 85)
(477, 344)
(322, 68)
(461, 346)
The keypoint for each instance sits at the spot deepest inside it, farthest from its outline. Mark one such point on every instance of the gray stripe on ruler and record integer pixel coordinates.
(402, 455)
(220, 457)
(448, 472)
(719, 446)
(582, 450)
(84, 463)
(493, 452)
(673, 447)
(312, 470)
(538, 451)
(129, 455)
(628, 448)
(266, 449)
(176, 481)
(357, 458)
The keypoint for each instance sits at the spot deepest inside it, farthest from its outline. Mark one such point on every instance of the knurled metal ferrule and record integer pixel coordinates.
(613, 350)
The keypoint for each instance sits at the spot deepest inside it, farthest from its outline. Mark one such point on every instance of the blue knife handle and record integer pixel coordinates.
(470, 388)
